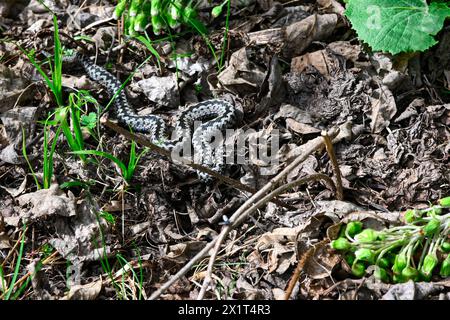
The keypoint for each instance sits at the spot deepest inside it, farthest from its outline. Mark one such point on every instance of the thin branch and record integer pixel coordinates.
(335, 165)
(298, 270)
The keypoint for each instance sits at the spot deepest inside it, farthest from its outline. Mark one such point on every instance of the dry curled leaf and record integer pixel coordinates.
(87, 291)
(47, 202)
(383, 109)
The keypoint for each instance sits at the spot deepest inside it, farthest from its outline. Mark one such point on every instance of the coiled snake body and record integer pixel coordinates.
(221, 115)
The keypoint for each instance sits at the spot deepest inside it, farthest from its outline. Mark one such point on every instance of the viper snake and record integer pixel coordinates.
(217, 114)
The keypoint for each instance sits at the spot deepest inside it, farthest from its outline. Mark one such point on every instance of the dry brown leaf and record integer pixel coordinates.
(182, 252)
(47, 202)
(301, 34)
(14, 192)
(383, 109)
(300, 128)
(12, 87)
(331, 6)
(321, 263)
(87, 291)
(242, 75)
(325, 61)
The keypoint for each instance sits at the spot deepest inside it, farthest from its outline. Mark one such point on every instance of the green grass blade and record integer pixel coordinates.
(225, 35)
(57, 70)
(148, 43)
(106, 155)
(2, 278)
(30, 56)
(25, 155)
(75, 116)
(48, 155)
(17, 267)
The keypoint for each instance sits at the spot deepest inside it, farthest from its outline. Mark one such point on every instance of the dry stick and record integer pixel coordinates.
(299, 268)
(227, 180)
(310, 147)
(282, 189)
(335, 165)
(242, 217)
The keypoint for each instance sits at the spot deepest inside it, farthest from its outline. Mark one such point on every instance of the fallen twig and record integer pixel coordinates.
(337, 171)
(298, 270)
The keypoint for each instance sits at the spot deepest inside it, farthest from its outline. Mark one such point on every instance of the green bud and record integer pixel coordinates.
(120, 8)
(350, 258)
(445, 268)
(399, 263)
(189, 14)
(157, 24)
(410, 273)
(429, 263)
(155, 8)
(135, 7)
(353, 228)
(431, 227)
(398, 278)
(173, 23)
(410, 216)
(341, 244)
(434, 211)
(358, 269)
(61, 114)
(381, 236)
(445, 202)
(216, 11)
(131, 23)
(175, 10)
(381, 274)
(141, 22)
(383, 262)
(366, 255)
(445, 247)
(367, 236)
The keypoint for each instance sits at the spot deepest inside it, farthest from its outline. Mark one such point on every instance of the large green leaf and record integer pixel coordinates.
(397, 25)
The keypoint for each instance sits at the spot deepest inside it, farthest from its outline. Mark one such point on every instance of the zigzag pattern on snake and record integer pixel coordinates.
(221, 115)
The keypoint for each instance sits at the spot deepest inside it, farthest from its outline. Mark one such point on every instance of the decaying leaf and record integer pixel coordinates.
(242, 75)
(383, 109)
(12, 87)
(299, 35)
(326, 61)
(47, 202)
(88, 291)
(182, 252)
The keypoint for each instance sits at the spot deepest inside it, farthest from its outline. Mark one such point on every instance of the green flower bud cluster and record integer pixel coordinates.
(160, 14)
(412, 251)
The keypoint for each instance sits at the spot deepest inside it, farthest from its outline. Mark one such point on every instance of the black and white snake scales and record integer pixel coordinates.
(221, 115)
